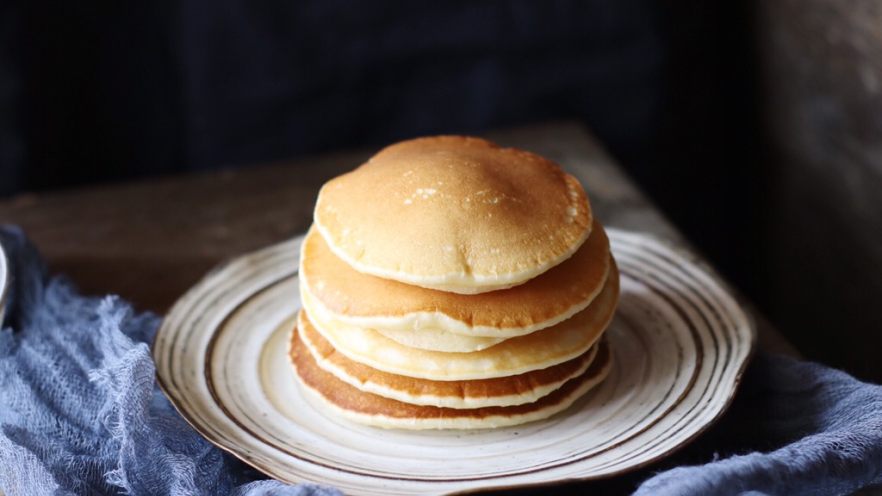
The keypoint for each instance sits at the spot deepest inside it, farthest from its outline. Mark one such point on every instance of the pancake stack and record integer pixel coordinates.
(449, 283)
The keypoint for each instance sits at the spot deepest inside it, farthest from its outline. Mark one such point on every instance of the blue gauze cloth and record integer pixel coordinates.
(80, 413)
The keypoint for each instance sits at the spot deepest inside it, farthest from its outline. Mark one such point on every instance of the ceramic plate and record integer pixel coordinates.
(4, 284)
(680, 343)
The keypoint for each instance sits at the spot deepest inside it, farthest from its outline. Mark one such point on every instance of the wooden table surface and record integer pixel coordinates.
(149, 241)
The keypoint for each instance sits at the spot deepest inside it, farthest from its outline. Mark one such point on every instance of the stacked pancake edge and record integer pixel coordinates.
(449, 283)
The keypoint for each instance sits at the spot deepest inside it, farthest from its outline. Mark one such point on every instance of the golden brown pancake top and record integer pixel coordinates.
(454, 213)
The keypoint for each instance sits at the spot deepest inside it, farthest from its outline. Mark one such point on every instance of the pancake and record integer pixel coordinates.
(434, 339)
(404, 312)
(454, 213)
(538, 350)
(503, 391)
(329, 392)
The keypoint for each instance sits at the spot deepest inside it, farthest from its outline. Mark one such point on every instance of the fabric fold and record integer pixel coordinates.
(829, 422)
(81, 410)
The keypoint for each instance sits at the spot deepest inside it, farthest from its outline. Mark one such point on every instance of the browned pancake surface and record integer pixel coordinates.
(351, 399)
(478, 388)
(454, 213)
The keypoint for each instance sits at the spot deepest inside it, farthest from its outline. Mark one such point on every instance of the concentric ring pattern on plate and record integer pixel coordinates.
(4, 283)
(680, 344)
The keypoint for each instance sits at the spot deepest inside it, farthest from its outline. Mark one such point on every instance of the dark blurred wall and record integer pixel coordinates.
(127, 89)
(105, 91)
(12, 159)
(100, 94)
(823, 106)
(706, 168)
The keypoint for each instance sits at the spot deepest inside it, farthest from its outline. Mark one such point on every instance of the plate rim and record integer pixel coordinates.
(5, 283)
(643, 237)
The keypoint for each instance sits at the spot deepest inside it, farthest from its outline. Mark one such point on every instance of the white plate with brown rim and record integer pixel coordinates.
(680, 343)
(4, 284)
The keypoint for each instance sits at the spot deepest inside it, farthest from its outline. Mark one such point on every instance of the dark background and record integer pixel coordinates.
(754, 126)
